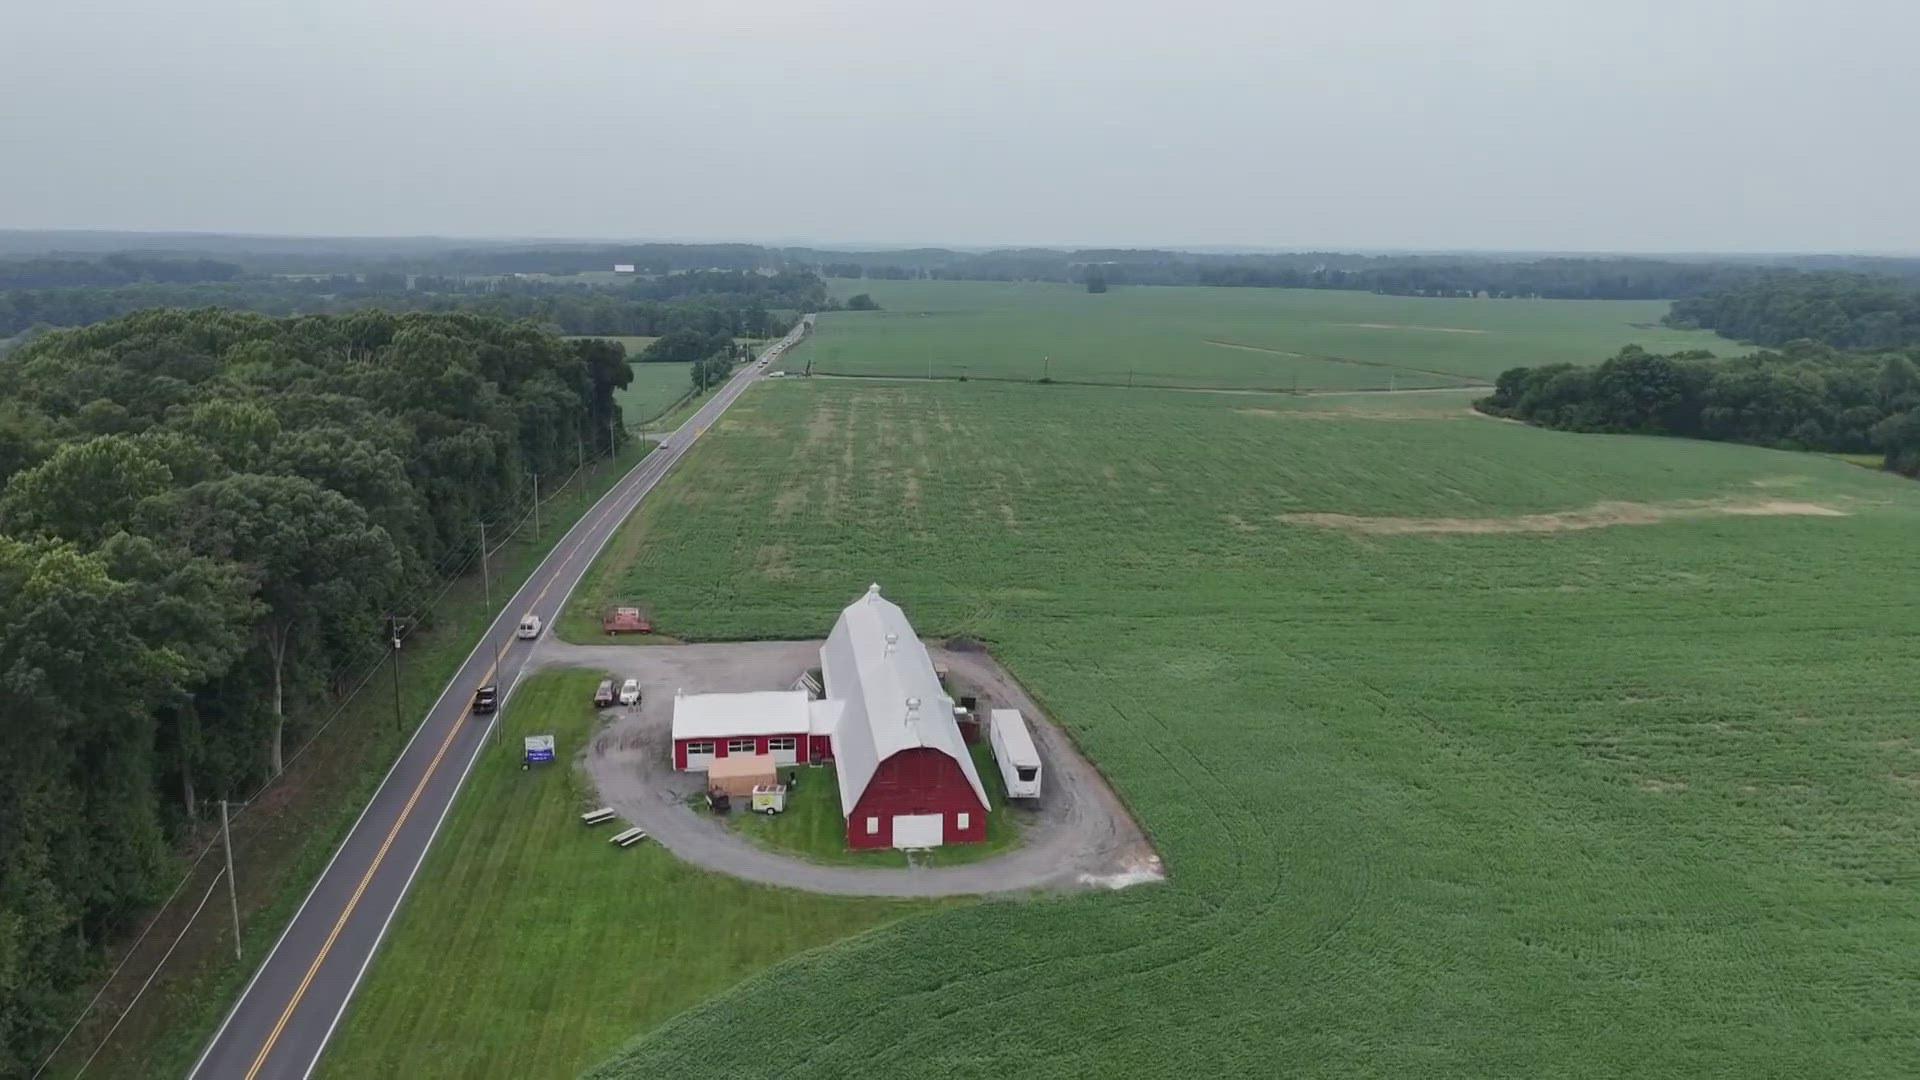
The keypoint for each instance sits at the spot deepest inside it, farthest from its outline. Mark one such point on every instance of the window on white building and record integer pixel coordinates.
(739, 746)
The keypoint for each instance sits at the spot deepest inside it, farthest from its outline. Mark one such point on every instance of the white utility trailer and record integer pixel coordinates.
(1013, 749)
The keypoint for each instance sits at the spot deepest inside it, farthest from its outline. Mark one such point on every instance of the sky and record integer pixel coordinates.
(1601, 125)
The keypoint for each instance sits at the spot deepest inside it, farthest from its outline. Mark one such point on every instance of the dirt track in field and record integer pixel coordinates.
(1600, 515)
(1081, 836)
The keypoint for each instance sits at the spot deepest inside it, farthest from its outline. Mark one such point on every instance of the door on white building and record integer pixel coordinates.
(699, 756)
(918, 830)
(785, 750)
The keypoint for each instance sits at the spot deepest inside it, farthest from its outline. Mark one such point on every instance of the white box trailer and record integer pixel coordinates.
(1013, 750)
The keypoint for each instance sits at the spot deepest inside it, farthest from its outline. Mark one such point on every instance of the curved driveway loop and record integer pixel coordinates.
(1082, 837)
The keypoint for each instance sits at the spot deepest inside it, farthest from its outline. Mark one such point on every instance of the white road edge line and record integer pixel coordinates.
(727, 395)
(498, 622)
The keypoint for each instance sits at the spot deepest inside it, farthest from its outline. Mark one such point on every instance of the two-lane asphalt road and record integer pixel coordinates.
(287, 1012)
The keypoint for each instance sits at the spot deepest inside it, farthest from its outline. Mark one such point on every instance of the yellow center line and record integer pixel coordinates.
(380, 856)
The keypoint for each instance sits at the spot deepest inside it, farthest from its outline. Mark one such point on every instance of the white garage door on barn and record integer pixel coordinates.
(785, 749)
(918, 830)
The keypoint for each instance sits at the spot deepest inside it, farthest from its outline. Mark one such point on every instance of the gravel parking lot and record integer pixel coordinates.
(1080, 837)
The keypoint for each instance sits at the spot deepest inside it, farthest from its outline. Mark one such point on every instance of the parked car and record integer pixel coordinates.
(603, 694)
(630, 692)
(529, 625)
(486, 699)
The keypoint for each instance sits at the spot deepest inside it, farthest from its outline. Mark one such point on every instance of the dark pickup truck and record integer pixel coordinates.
(486, 699)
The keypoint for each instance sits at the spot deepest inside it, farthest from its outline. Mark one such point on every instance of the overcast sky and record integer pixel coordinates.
(1629, 125)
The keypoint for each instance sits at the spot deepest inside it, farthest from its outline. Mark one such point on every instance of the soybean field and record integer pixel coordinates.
(1472, 749)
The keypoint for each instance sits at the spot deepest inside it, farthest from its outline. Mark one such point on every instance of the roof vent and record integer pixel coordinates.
(873, 591)
(913, 709)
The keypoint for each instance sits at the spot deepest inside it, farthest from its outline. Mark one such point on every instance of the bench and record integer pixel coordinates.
(629, 838)
(597, 817)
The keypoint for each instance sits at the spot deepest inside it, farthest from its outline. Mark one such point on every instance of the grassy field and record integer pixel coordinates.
(813, 828)
(532, 948)
(1271, 339)
(655, 389)
(1473, 750)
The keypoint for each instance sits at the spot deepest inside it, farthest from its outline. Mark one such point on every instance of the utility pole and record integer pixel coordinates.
(580, 451)
(536, 508)
(486, 584)
(233, 894)
(613, 444)
(1046, 368)
(393, 635)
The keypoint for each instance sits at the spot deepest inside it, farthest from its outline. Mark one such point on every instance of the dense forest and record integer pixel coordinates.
(1848, 311)
(205, 518)
(1807, 396)
(732, 302)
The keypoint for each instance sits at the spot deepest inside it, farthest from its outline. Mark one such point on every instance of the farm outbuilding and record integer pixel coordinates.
(906, 778)
(712, 727)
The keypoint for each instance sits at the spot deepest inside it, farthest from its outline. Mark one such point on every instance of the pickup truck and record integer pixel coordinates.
(603, 694)
(486, 699)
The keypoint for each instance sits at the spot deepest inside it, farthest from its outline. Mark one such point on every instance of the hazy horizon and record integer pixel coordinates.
(1488, 125)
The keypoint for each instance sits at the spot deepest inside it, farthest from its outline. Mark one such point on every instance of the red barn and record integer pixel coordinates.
(906, 779)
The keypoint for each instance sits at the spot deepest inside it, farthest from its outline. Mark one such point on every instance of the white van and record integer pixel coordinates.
(529, 626)
(1013, 750)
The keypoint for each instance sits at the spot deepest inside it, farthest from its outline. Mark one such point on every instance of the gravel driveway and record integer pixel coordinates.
(1080, 837)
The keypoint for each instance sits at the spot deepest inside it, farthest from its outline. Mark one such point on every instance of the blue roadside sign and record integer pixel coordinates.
(539, 748)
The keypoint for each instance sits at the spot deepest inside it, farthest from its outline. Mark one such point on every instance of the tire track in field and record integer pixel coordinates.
(978, 981)
(1159, 959)
(1382, 364)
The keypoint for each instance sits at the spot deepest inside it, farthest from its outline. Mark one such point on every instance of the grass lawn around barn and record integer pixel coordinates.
(531, 947)
(813, 828)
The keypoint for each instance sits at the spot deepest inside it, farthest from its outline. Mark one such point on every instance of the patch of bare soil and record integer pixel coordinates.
(1600, 515)
(1409, 326)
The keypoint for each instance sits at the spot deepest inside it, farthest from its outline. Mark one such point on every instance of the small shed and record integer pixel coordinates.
(738, 774)
(626, 620)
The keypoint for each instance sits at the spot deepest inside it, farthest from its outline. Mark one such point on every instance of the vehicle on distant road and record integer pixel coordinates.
(486, 699)
(529, 626)
(630, 692)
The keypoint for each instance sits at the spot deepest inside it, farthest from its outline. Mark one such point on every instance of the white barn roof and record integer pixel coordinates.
(758, 712)
(892, 700)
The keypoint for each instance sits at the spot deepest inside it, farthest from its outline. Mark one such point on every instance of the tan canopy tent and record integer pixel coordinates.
(737, 774)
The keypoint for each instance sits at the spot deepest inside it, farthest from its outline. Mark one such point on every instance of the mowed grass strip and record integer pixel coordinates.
(1263, 339)
(1617, 800)
(531, 947)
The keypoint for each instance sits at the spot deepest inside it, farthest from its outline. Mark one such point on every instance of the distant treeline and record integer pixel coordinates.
(732, 302)
(1808, 396)
(1411, 275)
(1848, 311)
(205, 517)
(112, 270)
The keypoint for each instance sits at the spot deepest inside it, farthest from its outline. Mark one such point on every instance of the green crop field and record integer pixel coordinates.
(655, 389)
(1271, 339)
(530, 947)
(1472, 749)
